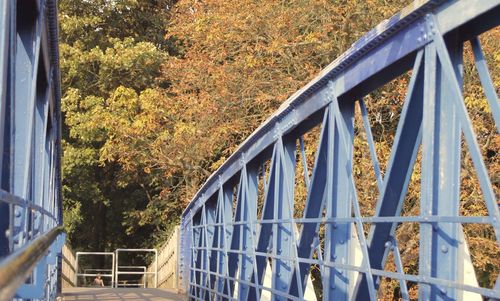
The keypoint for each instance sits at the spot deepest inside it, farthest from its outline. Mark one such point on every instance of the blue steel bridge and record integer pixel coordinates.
(239, 238)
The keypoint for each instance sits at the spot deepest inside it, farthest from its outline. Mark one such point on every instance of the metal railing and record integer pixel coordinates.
(144, 273)
(83, 275)
(138, 283)
(241, 238)
(18, 267)
(30, 144)
(75, 274)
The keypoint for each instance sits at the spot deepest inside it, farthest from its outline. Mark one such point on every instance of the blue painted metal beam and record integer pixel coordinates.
(30, 199)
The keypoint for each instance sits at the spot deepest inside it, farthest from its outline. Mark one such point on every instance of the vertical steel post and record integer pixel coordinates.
(440, 176)
(339, 202)
(248, 197)
(210, 229)
(224, 200)
(116, 265)
(113, 269)
(283, 232)
(4, 64)
(265, 234)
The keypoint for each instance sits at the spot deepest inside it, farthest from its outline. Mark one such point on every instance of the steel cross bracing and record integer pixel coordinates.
(233, 247)
(30, 192)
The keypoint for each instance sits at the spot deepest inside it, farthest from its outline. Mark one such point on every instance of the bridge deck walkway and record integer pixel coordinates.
(119, 294)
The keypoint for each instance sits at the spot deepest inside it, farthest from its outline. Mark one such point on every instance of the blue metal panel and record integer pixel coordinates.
(266, 229)
(234, 246)
(338, 201)
(30, 202)
(248, 197)
(210, 232)
(195, 263)
(224, 218)
(206, 218)
(440, 177)
(283, 232)
(4, 83)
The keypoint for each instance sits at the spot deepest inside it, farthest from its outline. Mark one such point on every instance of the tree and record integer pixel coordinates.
(111, 51)
(232, 68)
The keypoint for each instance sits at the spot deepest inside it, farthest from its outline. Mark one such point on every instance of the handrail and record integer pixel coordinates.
(15, 268)
(111, 275)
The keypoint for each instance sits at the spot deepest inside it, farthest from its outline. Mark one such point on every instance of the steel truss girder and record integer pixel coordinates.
(240, 255)
(30, 195)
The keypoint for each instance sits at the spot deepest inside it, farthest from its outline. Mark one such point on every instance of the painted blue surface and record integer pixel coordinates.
(30, 194)
(427, 37)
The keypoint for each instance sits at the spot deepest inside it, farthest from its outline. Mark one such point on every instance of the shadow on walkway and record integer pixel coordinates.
(119, 294)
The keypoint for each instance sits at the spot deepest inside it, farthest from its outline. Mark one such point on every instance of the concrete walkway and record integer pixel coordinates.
(120, 294)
